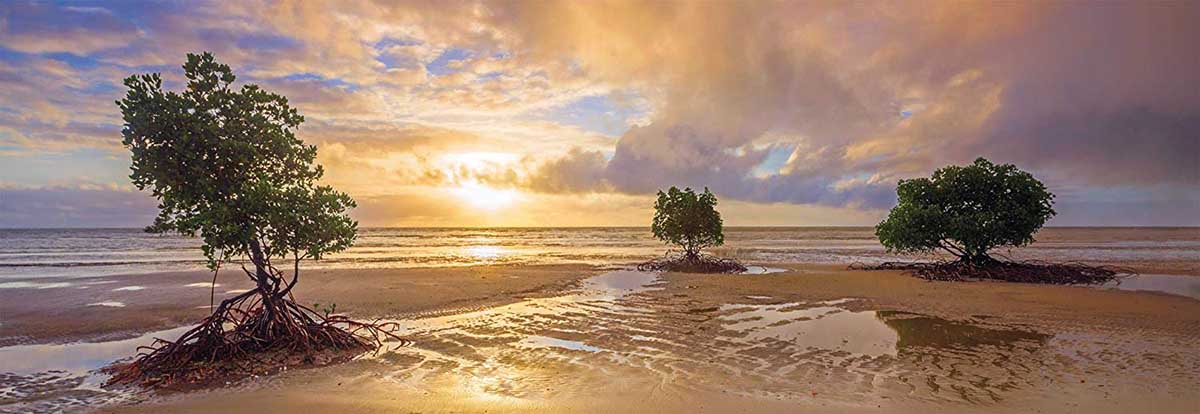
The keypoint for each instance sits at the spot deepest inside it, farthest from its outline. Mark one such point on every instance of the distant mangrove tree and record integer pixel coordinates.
(690, 221)
(966, 212)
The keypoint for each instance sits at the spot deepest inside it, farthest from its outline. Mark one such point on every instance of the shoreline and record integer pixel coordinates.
(114, 307)
(146, 302)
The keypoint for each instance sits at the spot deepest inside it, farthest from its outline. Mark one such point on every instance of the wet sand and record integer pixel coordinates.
(818, 338)
(122, 306)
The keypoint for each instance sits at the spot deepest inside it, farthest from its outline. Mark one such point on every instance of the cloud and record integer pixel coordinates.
(76, 30)
(1089, 93)
(820, 104)
(74, 206)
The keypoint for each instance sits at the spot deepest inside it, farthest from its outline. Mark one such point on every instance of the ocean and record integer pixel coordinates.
(34, 253)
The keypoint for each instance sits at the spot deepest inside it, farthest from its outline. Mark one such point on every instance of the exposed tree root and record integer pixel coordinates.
(1026, 271)
(246, 335)
(698, 263)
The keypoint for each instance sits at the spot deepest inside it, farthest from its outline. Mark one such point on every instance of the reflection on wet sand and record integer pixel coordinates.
(621, 340)
(1172, 284)
(57, 377)
(916, 330)
(613, 338)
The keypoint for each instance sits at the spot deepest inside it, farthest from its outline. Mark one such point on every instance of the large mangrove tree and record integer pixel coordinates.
(226, 166)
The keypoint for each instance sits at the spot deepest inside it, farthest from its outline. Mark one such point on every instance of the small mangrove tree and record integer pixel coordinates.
(691, 222)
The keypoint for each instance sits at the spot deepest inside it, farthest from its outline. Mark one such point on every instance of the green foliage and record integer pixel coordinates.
(225, 164)
(967, 211)
(688, 220)
(327, 310)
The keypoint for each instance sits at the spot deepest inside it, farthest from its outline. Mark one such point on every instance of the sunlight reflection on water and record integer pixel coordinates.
(484, 252)
(98, 252)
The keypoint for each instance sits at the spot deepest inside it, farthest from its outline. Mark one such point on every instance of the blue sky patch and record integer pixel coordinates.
(442, 64)
(776, 158)
(596, 113)
(321, 79)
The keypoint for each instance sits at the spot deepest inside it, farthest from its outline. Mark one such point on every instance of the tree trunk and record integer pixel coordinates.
(263, 278)
(977, 258)
(261, 275)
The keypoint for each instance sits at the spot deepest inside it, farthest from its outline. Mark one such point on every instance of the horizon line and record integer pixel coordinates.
(1195, 226)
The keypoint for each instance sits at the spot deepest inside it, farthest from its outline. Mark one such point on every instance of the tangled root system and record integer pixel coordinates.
(247, 335)
(685, 263)
(1025, 271)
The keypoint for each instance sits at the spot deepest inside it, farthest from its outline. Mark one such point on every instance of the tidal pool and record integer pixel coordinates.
(1174, 284)
(33, 285)
(813, 327)
(617, 337)
(57, 377)
(762, 270)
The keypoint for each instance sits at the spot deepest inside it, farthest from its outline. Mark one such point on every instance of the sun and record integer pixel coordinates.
(484, 197)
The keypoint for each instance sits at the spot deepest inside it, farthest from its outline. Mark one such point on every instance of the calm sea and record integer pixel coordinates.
(27, 253)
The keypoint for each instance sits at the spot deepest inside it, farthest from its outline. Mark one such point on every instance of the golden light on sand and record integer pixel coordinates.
(486, 198)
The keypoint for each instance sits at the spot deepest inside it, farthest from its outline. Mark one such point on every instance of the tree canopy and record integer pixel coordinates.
(688, 220)
(225, 164)
(966, 211)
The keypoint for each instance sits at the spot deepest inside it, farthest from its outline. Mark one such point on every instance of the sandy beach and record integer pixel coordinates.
(122, 306)
(573, 338)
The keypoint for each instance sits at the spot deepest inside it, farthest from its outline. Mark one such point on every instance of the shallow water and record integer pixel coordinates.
(58, 377)
(820, 327)
(556, 349)
(1173, 284)
(36, 253)
(762, 270)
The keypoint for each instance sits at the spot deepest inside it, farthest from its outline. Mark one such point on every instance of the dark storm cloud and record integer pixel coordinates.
(1092, 95)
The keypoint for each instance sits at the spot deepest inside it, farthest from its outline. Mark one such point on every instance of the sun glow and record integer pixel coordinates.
(484, 197)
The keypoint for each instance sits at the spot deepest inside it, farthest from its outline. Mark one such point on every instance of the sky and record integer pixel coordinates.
(575, 113)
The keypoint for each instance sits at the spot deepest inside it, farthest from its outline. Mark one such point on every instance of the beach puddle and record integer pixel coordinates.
(33, 285)
(1173, 284)
(915, 330)
(63, 377)
(819, 327)
(615, 284)
(762, 270)
(616, 337)
(536, 341)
